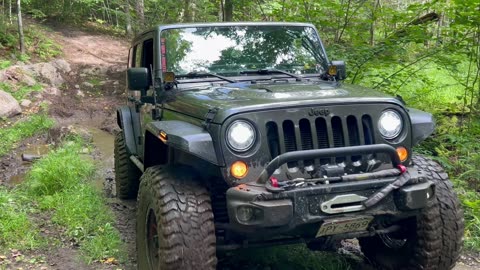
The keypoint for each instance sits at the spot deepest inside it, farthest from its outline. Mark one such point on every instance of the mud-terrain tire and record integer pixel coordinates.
(175, 227)
(436, 235)
(127, 175)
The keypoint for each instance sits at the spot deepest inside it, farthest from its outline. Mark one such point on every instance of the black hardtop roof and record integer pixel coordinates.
(186, 25)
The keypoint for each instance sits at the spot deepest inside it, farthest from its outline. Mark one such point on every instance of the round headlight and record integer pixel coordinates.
(390, 124)
(240, 135)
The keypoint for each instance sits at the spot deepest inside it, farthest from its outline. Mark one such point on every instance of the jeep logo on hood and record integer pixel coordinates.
(318, 112)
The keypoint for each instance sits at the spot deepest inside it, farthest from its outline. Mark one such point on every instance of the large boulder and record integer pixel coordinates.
(50, 72)
(8, 105)
(17, 74)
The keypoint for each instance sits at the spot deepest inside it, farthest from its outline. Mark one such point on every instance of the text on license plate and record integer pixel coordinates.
(343, 225)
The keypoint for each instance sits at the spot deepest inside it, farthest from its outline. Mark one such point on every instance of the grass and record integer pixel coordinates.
(5, 64)
(432, 88)
(61, 182)
(22, 130)
(39, 45)
(22, 92)
(60, 185)
(16, 229)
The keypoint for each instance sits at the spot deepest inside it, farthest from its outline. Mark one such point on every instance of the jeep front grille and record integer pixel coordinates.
(322, 132)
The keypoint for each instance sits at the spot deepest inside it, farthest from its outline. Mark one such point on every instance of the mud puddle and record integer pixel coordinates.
(103, 156)
(124, 210)
(26, 159)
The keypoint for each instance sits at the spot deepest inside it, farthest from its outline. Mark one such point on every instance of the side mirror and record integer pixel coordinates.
(339, 70)
(137, 79)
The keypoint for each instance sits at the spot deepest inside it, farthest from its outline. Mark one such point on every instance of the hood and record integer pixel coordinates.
(242, 97)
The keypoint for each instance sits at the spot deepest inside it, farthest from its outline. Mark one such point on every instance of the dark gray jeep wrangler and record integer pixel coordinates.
(242, 134)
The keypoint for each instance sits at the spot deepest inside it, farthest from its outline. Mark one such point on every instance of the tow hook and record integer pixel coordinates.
(274, 182)
(402, 168)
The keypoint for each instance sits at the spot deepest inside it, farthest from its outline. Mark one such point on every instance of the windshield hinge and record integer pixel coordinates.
(209, 116)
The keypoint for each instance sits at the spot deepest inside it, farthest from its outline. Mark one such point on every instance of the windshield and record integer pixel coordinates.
(231, 50)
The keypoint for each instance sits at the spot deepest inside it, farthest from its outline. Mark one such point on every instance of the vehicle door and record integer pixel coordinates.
(142, 56)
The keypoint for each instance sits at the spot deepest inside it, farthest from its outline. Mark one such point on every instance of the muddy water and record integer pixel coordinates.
(34, 150)
(124, 210)
(37, 150)
(103, 142)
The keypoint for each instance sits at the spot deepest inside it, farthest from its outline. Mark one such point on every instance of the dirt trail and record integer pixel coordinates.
(101, 59)
(94, 88)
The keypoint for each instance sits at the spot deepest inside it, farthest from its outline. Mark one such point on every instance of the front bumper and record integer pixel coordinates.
(256, 206)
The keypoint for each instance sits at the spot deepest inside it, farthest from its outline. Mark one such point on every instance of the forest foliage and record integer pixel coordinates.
(426, 51)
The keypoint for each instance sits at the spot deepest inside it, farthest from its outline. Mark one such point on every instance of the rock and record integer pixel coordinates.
(25, 103)
(80, 93)
(62, 65)
(16, 74)
(100, 70)
(48, 72)
(54, 91)
(116, 83)
(28, 80)
(8, 105)
(3, 75)
(77, 86)
(83, 133)
(88, 85)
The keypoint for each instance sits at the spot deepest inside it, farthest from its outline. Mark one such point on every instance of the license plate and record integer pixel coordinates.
(343, 225)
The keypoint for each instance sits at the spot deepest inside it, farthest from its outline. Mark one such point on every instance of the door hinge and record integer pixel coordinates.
(209, 116)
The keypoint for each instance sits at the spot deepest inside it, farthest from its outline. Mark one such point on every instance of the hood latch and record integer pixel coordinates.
(209, 116)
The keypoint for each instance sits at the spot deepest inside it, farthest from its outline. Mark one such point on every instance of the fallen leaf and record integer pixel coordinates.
(110, 260)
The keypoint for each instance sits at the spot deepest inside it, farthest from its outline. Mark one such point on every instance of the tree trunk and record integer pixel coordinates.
(10, 11)
(140, 8)
(128, 19)
(187, 17)
(20, 28)
(228, 11)
(374, 21)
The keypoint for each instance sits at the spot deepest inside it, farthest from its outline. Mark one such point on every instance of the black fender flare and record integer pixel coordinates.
(185, 137)
(129, 121)
(423, 125)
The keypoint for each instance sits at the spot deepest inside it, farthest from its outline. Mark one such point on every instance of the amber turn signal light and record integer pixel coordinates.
(163, 136)
(239, 169)
(402, 153)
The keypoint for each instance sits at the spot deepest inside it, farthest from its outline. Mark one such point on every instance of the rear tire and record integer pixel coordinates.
(175, 228)
(434, 238)
(127, 174)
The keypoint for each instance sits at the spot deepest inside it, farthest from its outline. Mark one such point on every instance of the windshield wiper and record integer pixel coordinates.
(192, 75)
(271, 71)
